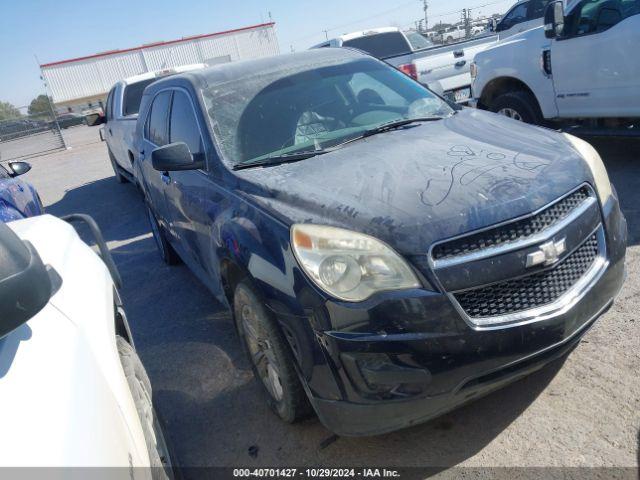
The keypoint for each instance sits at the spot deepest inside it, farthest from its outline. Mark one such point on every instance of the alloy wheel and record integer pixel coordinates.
(262, 353)
(511, 113)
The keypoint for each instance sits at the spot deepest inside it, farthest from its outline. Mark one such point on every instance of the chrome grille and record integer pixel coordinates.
(514, 231)
(532, 291)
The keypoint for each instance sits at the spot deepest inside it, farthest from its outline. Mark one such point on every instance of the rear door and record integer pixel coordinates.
(155, 134)
(595, 63)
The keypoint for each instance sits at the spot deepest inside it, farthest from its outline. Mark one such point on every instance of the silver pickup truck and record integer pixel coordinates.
(443, 68)
(123, 103)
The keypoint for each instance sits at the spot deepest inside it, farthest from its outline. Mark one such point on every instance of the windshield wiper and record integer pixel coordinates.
(284, 158)
(296, 156)
(393, 124)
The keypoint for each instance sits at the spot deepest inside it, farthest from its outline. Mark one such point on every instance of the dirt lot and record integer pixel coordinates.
(585, 412)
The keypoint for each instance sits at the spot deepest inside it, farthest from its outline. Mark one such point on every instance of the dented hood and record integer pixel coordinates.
(430, 181)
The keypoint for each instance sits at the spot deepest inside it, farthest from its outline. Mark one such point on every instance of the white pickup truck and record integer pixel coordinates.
(581, 71)
(121, 114)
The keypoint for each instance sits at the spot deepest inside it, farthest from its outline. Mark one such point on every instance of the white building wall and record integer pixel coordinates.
(95, 76)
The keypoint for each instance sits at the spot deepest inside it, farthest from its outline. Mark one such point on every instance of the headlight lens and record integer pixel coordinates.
(599, 172)
(349, 265)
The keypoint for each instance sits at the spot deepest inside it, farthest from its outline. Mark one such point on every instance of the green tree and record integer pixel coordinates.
(8, 111)
(40, 105)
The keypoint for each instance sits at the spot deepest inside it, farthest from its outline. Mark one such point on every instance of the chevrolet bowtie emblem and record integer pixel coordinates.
(548, 253)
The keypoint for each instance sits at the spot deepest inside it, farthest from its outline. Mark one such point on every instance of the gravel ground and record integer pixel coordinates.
(583, 411)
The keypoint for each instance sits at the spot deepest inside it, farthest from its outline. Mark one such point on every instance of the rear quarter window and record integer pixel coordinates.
(133, 95)
(381, 45)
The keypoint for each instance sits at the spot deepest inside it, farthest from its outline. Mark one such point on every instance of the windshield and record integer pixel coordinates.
(417, 41)
(281, 112)
(133, 96)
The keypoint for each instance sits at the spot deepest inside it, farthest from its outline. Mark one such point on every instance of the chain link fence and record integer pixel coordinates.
(30, 135)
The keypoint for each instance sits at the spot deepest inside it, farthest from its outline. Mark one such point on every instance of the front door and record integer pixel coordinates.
(193, 199)
(595, 63)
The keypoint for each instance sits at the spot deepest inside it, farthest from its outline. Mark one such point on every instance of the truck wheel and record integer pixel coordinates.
(167, 253)
(449, 39)
(140, 387)
(518, 105)
(271, 359)
(119, 177)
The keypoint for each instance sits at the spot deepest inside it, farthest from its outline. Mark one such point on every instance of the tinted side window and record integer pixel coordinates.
(183, 126)
(515, 16)
(107, 111)
(537, 8)
(381, 45)
(157, 121)
(596, 16)
(133, 95)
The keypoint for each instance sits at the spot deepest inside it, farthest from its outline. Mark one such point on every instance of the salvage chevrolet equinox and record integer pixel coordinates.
(387, 255)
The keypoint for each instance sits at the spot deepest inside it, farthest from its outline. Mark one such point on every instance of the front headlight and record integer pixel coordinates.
(349, 265)
(592, 157)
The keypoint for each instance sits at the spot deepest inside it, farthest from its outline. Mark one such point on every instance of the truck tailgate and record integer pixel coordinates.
(450, 64)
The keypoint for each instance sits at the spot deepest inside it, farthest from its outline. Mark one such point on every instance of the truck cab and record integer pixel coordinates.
(580, 67)
(123, 103)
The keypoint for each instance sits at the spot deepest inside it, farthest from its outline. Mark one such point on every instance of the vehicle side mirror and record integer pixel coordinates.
(174, 157)
(18, 168)
(94, 119)
(554, 19)
(25, 283)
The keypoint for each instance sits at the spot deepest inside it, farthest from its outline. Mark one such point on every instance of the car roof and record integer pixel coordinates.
(234, 71)
(161, 73)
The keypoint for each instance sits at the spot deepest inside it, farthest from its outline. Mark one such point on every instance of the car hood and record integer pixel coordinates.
(424, 183)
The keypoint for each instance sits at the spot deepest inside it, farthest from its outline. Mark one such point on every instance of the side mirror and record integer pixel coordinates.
(174, 157)
(25, 283)
(94, 119)
(18, 168)
(554, 19)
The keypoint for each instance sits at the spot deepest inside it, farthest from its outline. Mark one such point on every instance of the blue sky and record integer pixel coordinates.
(59, 29)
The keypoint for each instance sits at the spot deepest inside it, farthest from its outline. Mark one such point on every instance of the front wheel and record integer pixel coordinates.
(140, 387)
(271, 359)
(518, 105)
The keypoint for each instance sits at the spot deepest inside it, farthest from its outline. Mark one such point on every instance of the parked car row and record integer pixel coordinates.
(386, 255)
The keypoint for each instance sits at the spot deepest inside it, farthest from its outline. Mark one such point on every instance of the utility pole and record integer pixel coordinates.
(426, 18)
(466, 20)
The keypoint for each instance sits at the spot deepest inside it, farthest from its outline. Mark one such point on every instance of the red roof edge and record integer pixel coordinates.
(156, 44)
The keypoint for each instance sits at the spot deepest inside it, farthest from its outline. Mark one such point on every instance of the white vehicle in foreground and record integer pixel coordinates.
(121, 113)
(580, 71)
(74, 392)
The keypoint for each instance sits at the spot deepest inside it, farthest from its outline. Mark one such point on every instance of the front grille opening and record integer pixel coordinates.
(529, 292)
(514, 231)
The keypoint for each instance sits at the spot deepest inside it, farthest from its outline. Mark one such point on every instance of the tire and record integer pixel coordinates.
(449, 39)
(140, 387)
(519, 105)
(119, 177)
(167, 252)
(269, 354)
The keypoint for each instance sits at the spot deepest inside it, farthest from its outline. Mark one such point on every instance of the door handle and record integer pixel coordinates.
(461, 63)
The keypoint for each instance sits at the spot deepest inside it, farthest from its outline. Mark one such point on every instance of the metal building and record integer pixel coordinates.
(82, 83)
